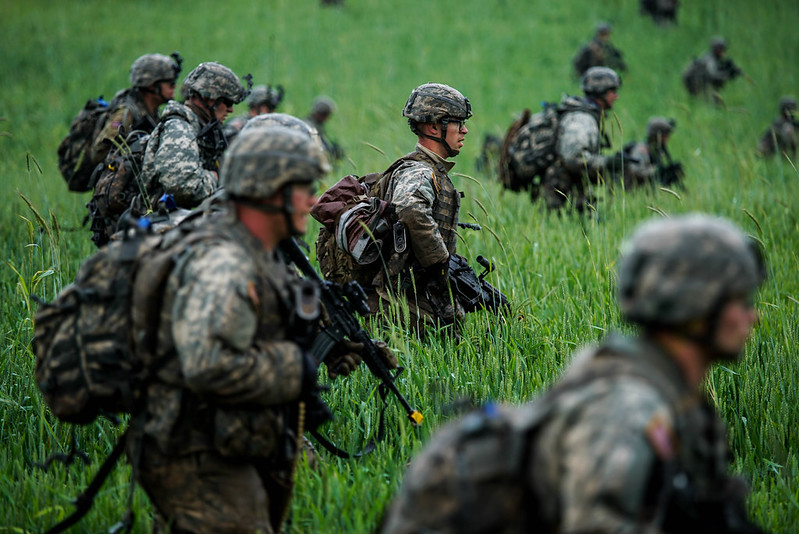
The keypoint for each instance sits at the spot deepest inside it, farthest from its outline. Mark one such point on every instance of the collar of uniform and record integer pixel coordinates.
(435, 157)
(647, 351)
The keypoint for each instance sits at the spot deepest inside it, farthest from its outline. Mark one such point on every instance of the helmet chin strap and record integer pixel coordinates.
(287, 209)
(442, 139)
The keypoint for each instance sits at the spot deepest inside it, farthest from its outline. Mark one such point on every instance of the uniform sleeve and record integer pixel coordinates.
(214, 320)
(179, 167)
(606, 461)
(644, 167)
(413, 195)
(578, 144)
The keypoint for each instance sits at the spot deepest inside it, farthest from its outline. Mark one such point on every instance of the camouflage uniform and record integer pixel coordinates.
(260, 96)
(579, 162)
(128, 113)
(624, 442)
(179, 163)
(599, 53)
(781, 135)
(711, 72)
(650, 162)
(228, 398)
(324, 107)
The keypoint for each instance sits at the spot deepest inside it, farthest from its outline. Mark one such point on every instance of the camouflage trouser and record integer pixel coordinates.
(560, 189)
(204, 492)
(416, 313)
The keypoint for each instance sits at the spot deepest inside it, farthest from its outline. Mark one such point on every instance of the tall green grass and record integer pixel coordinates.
(558, 271)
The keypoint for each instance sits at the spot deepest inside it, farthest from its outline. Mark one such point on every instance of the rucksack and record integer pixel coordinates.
(74, 152)
(116, 183)
(530, 148)
(83, 340)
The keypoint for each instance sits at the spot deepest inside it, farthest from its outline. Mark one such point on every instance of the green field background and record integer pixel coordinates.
(558, 271)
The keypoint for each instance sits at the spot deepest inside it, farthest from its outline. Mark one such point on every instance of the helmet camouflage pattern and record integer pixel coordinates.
(659, 126)
(432, 102)
(718, 42)
(269, 120)
(152, 68)
(599, 80)
(260, 161)
(214, 81)
(265, 95)
(677, 270)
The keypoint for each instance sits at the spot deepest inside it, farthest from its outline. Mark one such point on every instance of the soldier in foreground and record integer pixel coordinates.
(263, 99)
(580, 138)
(183, 154)
(152, 83)
(236, 387)
(708, 74)
(599, 52)
(780, 137)
(626, 441)
(650, 162)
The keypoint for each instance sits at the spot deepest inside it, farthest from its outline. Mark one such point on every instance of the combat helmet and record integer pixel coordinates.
(718, 42)
(261, 161)
(265, 95)
(323, 105)
(434, 102)
(214, 80)
(152, 68)
(679, 270)
(657, 127)
(787, 103)
(597, 81)
(269, 120)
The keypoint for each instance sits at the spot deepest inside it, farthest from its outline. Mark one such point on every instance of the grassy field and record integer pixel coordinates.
(559, 272)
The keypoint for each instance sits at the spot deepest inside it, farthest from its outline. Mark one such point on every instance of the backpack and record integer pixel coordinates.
(530, 148)
(74, 152)
(83, 341)
(116, 183)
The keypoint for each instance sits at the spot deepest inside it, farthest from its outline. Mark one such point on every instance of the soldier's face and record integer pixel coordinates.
(736, 321)
(168, 89)
(611, 97)
(456, 132)
(222, 108)
(303, 198)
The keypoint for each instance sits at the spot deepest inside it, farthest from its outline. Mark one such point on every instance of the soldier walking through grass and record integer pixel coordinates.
(627, 440)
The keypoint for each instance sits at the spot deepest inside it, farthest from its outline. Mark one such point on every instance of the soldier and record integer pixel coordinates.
(322, 109)
(711, 72)
(263, 99)
(663, 12)
(626, 441)
(152, 83)
(183, 153)
(599, 52)
(236, 387)
(650, 162)
(580, 138)
(781, 135)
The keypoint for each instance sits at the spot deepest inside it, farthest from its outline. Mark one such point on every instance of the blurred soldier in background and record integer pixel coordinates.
(780, 137)
(183, 154)
(708, 74)
(580, 138)
(322, 109)
(599, 52)
(663, 12)
(627, 440)
(650, 162)
(152, 83)
(235, 386)
(263, 99)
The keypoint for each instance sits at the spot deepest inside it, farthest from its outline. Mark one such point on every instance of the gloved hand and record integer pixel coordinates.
(445, 306)
(386, 354)
(344, 358)
(316, 411)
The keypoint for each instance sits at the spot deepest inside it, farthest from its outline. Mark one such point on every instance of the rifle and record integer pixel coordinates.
(342, 302)
(471, 290)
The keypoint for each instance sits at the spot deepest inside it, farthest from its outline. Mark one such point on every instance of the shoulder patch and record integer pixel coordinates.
(661, 438)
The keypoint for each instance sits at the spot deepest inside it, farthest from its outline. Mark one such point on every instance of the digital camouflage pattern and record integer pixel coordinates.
(599, 52)
(224, 402)
(152, 68)
(266, 159)
(599, 80)
(177, 162)
(291, 122)
(265, 95)
(214, 80)
(578, 160)
(710, 72)
(234, 126)
(432, 102)
(620, 444)
(650, 163)
(127, 112)
(680, 269)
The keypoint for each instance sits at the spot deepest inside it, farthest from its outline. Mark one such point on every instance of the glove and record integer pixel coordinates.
(445, 306)
(316, 411)
(344, 358)
(386, 354)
